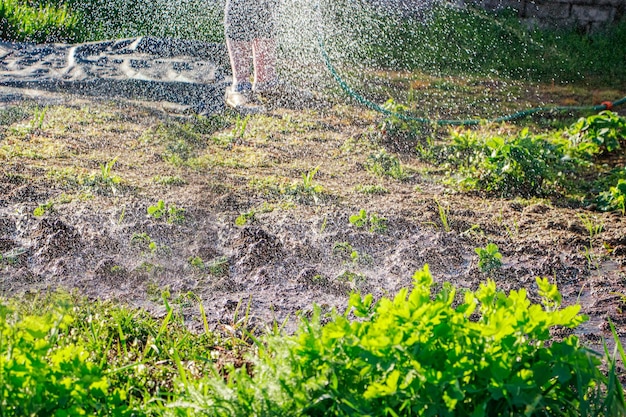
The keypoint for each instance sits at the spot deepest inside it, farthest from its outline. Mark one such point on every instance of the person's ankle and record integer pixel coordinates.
(241, 87)
(265, 85)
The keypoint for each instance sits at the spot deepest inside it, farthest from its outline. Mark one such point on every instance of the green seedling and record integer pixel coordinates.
(38, 118)
(140, 239)
(43, 209)
(359, 220)
(197, 262)
(592, 224)
(245, 218)
(219, 266)
(443, 216)
(307, 188)
(355, 279)
(342, 248)
(371, 189)
(169, 180)
(239, 130)
(489, 257)
(106, 180)
(169, 212)
(376, 223)
(384, 164)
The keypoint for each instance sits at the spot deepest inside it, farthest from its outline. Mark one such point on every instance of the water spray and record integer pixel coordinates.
(352, 93)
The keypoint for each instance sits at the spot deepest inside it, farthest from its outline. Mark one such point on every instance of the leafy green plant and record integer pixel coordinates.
(614, 198)
(376, 223)
(424, 352)
(396, 129)
(601, 133)
(169, 212)
(384, 164)
(44, 371)
(489, 257)
(359, 220)
(307, 188)
(105, 181)
(43, 209)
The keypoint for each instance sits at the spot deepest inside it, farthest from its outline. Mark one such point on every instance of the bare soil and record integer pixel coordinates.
(93, 234)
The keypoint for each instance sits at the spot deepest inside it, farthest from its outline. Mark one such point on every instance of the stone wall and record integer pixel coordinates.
(587, 15)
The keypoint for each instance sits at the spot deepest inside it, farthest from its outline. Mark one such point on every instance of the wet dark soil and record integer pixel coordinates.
(294, 246)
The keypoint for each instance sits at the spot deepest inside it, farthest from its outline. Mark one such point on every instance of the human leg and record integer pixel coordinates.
(240, 53)
(264, 58)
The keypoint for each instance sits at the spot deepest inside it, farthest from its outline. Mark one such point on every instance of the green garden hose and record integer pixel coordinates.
(607, 105)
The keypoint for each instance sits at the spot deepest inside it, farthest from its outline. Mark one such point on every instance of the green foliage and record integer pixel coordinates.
(534, 165)
(396, 129)
(601, 133)
(424, 352)
(524, 164)
(371, 189)
(614, 198)
(43, 371)
(307, 189)
(43, 209)
(451, 40)
(375, 222)
(384, 164)
(489, 257)
(169, 212)
(21, 21)
(105, 181)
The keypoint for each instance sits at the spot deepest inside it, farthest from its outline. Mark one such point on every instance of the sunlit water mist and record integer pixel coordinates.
(439, 58)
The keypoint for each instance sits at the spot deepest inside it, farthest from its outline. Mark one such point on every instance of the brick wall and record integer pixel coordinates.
(587, 15)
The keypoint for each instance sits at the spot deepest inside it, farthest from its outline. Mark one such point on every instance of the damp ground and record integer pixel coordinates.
(120, 200)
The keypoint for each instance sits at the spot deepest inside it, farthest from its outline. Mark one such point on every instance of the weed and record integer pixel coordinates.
(592, 224)
(38, 118)
(169, 212)
(43, 209)
(384, 164)
(307, 188)
(245, 218)
(371, 189)
(140, 239)
(239, 130)
(355, 279)
(443, 216)
(197, 262)
(169, 180)
(105, 181)
(614, 198)
(376, 223)
(489, 257)
(219, 266)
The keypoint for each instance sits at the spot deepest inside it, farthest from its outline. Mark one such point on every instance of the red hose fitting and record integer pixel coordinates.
(608, 105)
